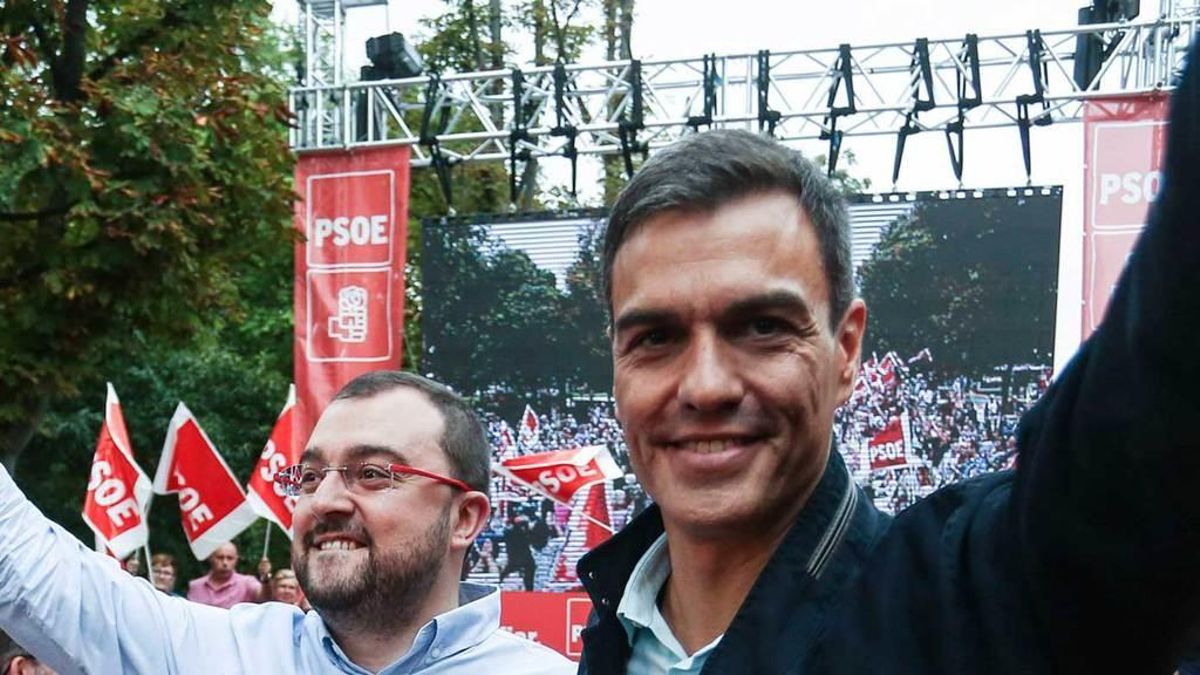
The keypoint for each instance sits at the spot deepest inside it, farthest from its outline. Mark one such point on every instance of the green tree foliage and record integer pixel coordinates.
(501, 330)
(972, 280)
(143, 166)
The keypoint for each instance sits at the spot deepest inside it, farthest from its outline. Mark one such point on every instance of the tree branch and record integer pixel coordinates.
(9, 217)
(174, 19)
(68, 69)
(46, 44)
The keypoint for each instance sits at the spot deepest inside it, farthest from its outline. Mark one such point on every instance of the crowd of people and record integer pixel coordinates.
(223, 586)
(958, 427)
(955, 427)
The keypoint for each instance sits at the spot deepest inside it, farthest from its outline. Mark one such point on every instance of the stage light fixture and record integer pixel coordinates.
(392, 57)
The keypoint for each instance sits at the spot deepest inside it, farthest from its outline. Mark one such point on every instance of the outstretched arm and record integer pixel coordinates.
(1107, 502)
(77, 611)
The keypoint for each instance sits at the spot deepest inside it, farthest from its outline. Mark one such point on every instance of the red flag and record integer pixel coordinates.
(265, 496)
(349, 271)
(889, 448)
(118, 491)
(506, 446)
(211, 502)
(588, 527)
(887, 370)
(528, 432)
(1124, 142)
(560, 474)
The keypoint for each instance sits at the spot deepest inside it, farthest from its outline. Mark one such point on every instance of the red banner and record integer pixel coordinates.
(1124, 139)
(211, 502)
(560, 474)
(265, 495)
(118, 491)
(552, 619)
(889, 448)
(349, 286)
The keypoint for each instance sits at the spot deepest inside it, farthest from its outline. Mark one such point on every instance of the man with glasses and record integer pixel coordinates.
(392, 490)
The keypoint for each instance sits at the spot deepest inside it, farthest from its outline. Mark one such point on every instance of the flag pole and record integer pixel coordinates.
(267, 539)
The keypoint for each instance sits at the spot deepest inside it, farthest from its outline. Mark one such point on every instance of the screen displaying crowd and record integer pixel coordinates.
(956, 427)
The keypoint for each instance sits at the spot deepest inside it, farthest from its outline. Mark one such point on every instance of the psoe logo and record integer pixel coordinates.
(350, 322)
(350, 219)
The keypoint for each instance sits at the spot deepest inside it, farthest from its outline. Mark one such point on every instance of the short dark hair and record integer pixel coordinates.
(463, 439)
(9, 650)
(708, 170)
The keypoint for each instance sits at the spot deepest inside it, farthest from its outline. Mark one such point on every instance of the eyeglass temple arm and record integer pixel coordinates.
(453, 482)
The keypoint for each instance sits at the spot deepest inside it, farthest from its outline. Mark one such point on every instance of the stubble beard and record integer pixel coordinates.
(385, 592)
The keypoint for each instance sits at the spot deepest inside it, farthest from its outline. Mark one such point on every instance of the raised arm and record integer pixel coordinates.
(77, 611)
(1107, 500)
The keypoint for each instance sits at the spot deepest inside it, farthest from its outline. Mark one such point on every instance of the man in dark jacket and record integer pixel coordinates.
(736, 334)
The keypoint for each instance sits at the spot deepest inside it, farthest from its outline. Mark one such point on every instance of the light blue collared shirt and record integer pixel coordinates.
(655, 648)
(78, 612)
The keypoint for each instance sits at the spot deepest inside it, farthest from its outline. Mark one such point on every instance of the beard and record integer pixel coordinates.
(385, 591)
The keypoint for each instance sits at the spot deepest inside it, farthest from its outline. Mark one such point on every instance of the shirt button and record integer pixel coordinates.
(436, 653)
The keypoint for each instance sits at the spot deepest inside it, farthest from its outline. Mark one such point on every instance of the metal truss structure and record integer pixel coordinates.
(322, 27)
(947, 86)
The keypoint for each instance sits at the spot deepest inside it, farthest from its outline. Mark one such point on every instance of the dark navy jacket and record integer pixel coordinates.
(1085, 560)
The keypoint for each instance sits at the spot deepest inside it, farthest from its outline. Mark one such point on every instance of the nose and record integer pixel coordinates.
(710, 382)
(332, 496)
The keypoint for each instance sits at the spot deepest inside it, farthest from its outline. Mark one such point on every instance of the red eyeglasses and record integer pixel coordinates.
(363, 478)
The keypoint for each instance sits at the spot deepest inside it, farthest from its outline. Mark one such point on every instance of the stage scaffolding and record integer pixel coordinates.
(946, 86)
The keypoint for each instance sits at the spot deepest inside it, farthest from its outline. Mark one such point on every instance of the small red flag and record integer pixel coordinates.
(889, 448)
(118, 491)
(211, 502)
(266, 497)
(560, 474)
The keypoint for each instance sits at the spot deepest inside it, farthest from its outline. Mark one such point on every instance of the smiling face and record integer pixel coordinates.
(726, 371)
(376, 552)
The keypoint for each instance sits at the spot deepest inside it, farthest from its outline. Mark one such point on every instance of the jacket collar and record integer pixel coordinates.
(803, 560)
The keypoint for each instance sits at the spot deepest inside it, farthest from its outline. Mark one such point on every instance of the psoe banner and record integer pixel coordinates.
(1124, 139)
(349, 286)
(555, 620)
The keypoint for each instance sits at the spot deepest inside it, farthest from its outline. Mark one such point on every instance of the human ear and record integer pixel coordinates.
(849, 336)
(469, 518)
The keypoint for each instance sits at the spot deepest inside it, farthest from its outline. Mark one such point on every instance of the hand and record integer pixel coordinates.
(264, 569)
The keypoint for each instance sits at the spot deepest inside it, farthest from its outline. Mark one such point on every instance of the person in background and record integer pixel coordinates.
(164, 572)
(14, 660)
(224, 586)
(133, 564)
(286, 588)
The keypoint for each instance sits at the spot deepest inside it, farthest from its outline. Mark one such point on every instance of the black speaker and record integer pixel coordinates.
(392, 56)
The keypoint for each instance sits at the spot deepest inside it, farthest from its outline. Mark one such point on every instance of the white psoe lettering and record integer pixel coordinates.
(110, 493)
(554, 479)
(1131, 188)
(359, 230)
(196, 511)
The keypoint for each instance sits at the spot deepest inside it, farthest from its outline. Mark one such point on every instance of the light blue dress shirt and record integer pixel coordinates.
(656, 650)
(77, 611)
